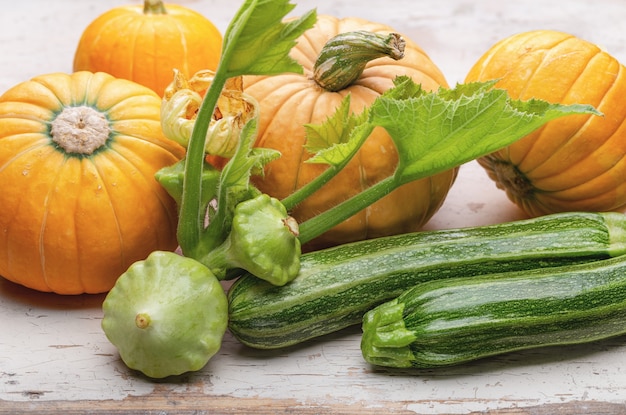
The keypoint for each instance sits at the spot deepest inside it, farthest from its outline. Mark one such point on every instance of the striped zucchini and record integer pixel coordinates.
(446, 322)
(336, 286)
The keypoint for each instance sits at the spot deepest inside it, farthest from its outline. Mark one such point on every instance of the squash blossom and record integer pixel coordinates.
(182, 100)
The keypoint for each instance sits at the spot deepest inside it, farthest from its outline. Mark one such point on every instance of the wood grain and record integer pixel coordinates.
(190, 404)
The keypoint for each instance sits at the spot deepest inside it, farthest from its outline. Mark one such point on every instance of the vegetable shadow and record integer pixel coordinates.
(530, 358)
(10, 291)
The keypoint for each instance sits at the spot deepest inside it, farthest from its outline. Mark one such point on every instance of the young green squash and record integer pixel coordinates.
(337, 286)
(446, 322)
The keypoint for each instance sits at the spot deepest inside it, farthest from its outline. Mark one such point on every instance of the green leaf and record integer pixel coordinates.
(440, 130)
(433, 132)
(335, 142)
(335, 129)
(336, 139)
(246, 160)
(259, 41)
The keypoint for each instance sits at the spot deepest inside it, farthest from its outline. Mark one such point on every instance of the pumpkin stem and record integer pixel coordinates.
(511, 178)
(344, 57)
(153, 7)
(80, 130)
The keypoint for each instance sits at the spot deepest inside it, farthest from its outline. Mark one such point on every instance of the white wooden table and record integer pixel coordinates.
(54, 358)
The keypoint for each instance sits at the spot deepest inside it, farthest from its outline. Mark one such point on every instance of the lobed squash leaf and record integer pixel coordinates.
(433, 132)
(441, 130)
(436, 131)
(338, 131)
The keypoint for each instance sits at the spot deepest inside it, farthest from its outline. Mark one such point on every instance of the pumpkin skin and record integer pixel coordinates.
(572, 163)
(72, 221)
(288, 102)
(145, 43)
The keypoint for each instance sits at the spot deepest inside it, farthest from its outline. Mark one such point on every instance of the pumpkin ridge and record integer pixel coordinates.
(169, 148)
(183, 45)
(24, 151)
(522, 95)
(608, 143)
(367, 73)
(310, 55)
(120, 19)
(581, 131)
(158, 191)
(42, 168)
(48, 281)
(537, 68)
(135, 72)
(302, 88)
(131, 91)
(106, 186)
(303, 154)
(415, 58)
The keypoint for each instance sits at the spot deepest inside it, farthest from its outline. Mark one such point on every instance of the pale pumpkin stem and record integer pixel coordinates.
(80, 130)
(511, 179)
(344, 57)
(153, 7)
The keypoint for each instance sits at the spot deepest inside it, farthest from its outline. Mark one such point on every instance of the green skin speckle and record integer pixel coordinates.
(337, 286)
(447, 322)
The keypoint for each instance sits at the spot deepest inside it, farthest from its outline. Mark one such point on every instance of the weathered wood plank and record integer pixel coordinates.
(190, 404)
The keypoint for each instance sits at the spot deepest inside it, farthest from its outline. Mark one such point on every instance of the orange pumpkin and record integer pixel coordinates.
(146, 43)
(78, 154)
(288, 102)
(575, 162)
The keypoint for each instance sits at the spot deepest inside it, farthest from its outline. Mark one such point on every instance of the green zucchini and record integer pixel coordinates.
(447, 322)
(336, 286)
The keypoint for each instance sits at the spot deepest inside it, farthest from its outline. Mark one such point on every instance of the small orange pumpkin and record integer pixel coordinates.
(575, 162)
(288, 102)
(146, 43)
(78, 155)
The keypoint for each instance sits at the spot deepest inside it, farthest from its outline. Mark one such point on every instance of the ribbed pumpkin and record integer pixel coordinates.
(288, 102)
(146, 43)
(575, 162)
(78, 154)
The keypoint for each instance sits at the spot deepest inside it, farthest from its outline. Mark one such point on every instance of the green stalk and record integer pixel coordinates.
(192, 210)
(317, 225)
(311, 187)
(191, 218)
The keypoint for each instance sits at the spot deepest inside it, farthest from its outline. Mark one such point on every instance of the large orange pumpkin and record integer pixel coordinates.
(575, 162)
(146, 43)
(79, 202)
(288, 102)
